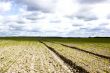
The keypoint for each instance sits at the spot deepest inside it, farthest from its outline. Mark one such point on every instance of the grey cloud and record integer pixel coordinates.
(86, 17)
(3, 34)
(90, 1)
(55, 21)
(108, 17)
(37, 5)
(4, 0)
(96, 29)
(34, 16)
(77, 34)
(33, 30)
(85, 14)
(69, 16)
(77, 25)
(9, 33)
(83, 29)
(103, 24)
(31, 18)
(36, 8)
(15, 28)
(20, 22)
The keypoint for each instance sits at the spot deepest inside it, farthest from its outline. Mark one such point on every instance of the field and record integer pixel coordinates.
(54, 55)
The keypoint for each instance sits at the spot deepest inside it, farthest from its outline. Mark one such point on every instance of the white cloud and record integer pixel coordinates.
(5, 6)
(101, 10)
(66, 7)
(1, 18)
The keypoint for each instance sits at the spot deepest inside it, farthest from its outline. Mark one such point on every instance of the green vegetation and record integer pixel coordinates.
(80, 40)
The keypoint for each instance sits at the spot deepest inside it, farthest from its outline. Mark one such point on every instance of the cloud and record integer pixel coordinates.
(96, 29)
(86, 15)
(5, 6)
(55, 18)
(35, 5)
(108, 16)
(58, 6)
(34, 16)
(76, 25)
(55, 21)
(15, 28)
(102, 10)
(91, 1)
(93, 32)
(83, 13)
(66, 7)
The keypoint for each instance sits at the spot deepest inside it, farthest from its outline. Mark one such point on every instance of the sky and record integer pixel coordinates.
(62, 18)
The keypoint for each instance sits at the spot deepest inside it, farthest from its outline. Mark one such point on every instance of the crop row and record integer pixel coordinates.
(91, 63)
(28, 57)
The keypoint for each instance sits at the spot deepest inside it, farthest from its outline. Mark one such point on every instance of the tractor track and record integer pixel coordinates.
(73, 47)
(72, 66)
(102, 56)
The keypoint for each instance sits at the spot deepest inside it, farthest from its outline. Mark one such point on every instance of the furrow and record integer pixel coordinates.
(102, 56)
(73, 67)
